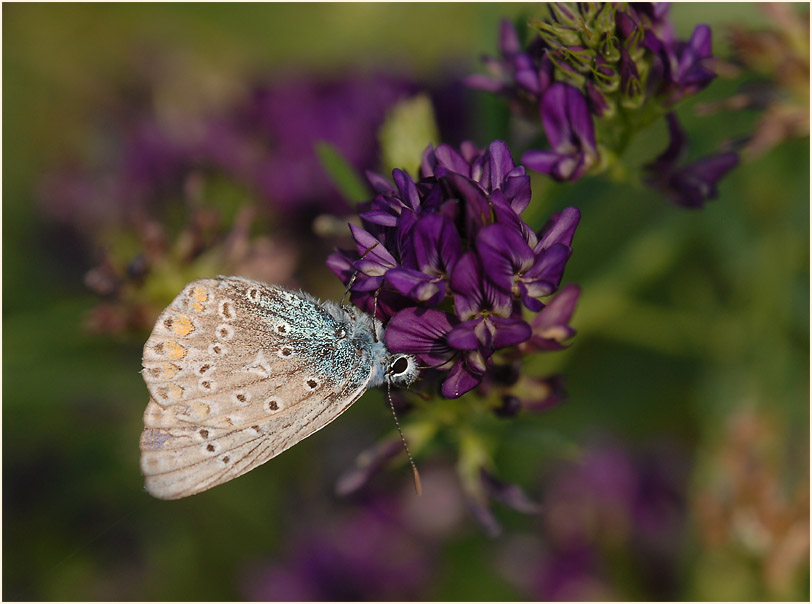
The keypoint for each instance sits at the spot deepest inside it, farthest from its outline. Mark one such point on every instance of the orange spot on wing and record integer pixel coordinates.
(169, 370)
(183, 326)
(200, 294)
(174, 351)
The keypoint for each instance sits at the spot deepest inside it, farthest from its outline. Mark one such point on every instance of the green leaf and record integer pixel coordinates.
(409, 128)
(341, 173)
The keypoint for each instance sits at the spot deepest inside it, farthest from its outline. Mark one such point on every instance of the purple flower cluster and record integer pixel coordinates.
(370, 555)
(263, 142)
(595, 74)
(616, 503)
(615, 507)
(384, 547)
(449, 263)
(270, 140)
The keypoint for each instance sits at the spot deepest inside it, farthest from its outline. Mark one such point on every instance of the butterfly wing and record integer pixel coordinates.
(238, 372)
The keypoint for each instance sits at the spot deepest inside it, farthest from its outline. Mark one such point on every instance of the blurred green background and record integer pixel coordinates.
(693, 336)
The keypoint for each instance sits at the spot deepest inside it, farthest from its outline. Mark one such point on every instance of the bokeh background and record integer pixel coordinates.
(678, 469)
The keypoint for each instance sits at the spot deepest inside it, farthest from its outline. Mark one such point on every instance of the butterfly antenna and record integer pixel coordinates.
(375, 314)
(417, 486)
(355, 273)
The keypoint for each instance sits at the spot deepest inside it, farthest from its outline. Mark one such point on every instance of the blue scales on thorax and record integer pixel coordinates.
(336, 345)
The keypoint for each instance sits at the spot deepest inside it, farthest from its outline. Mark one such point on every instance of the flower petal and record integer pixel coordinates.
(421, 331)
(373, 253)
(436, 244)
(559, 229)
(464, 336)
(416, 285)
(407, 188)
(466, 284)
(481, 81)
(545, 162)
(508, 332)
(499, 164)
(551, 326)
(341, 265)
(459, 381)
(517, 192)
(508, 38)
(477, 208)
(379, 183)
(451, 160)
(504, 254)
(696, 183)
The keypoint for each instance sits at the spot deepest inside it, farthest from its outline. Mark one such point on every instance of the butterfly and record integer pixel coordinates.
(239, 371)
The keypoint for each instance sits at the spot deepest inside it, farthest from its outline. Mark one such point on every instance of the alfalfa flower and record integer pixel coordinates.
(448, 263)
(689, 185)
(464, 283)
(594, 75)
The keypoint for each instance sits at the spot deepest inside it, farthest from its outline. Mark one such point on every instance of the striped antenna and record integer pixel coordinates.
(417, 486)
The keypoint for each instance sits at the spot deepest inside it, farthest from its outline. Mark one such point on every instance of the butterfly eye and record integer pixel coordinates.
(400, 366)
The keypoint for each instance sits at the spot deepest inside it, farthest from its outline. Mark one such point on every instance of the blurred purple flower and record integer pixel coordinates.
(775, 54)
(282, 122)
(455, 241)
(573, 574)
(685, 65)
(538, 394)
(491, 489)
(263, 142)
(161, 195)
(613, 503)
(368, 464)
(688, 185)
(371, 555)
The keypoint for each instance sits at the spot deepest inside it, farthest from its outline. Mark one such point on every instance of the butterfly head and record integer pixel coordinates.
(401, 370)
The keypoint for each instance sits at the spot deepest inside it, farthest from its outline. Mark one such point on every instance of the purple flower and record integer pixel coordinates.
(521, 76)
(612, 504)
(372, 554)
(542, 393)
(685, 65)
(618, 500)
(594, 68)
(368, 465)
(568, 126)
(448, 261)
(551, 326)
(492, 488)
(572, 574)
(688, 185)
(286, 120)
(263, 142)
